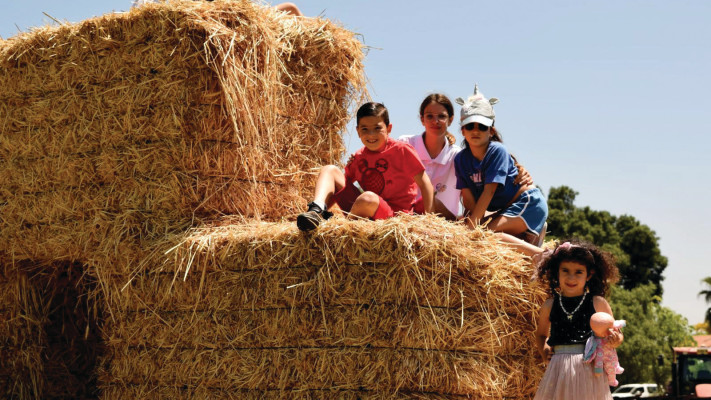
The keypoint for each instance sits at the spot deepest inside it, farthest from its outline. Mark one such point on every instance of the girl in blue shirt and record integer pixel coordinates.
(485, 174)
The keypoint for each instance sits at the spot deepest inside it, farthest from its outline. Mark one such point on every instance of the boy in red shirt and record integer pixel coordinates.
(381, 178)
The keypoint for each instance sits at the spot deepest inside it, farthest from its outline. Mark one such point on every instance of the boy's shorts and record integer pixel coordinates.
(348, 195)
(531, 207)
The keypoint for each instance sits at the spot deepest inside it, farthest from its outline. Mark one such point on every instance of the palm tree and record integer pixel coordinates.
(707, 297)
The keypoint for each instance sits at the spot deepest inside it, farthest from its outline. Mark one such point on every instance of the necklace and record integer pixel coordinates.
(570, 314)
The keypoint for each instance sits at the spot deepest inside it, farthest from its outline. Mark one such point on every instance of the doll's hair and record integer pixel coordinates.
(600, 263)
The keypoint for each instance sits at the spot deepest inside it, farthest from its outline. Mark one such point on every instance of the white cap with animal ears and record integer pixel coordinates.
(477, 108)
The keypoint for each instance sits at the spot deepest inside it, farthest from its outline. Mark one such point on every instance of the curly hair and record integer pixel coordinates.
(600, 263)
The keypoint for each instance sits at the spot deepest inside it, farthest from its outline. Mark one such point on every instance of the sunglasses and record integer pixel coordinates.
(470, 126)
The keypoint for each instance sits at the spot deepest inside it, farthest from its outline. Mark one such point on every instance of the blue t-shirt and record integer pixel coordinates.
(496, 167)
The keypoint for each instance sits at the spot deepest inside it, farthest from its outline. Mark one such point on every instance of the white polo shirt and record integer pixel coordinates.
(440, 170)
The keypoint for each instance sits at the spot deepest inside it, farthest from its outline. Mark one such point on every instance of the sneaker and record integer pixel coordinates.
(309, 220)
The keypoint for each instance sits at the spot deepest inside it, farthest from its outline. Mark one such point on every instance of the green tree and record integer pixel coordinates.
(651, 331)
(646, 262)
(706, 293)
(634, 245)
(701, 328)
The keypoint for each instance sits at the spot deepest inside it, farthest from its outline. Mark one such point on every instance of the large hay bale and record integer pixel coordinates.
(412, 306)
(124, 128)
(120, 133)
(121, 130)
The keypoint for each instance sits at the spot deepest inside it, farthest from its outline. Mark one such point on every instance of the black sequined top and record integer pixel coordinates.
(575, 331)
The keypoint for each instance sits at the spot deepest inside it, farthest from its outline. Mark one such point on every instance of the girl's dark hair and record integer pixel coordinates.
(373, 109)
(444, 101)
(600, 263)
(495, 136)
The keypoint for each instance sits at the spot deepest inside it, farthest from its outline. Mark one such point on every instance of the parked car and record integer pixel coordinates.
(636, 391)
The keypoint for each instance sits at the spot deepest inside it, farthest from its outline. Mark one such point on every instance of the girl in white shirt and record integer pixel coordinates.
(436, 148)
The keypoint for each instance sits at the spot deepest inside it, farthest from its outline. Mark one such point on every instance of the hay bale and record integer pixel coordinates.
(124, 128)
(411, 306)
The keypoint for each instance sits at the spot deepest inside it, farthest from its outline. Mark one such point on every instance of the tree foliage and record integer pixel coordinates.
(634, 245)
(706, 293)
(651, 331)
(702, 328)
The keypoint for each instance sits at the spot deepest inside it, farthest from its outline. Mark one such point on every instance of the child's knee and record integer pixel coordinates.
(366, 204)
(330, 169)
(332, 172)
(368, 199)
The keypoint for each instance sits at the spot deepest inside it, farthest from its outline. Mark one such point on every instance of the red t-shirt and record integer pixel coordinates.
(388, 173)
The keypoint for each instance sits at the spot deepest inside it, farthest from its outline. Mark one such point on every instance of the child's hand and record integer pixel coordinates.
(615, 337)
(523, 178)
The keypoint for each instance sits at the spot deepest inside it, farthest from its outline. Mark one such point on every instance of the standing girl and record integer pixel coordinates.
(579, 276)
(486, 175)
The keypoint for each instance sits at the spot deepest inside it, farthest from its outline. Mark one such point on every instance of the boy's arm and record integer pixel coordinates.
(423, 181)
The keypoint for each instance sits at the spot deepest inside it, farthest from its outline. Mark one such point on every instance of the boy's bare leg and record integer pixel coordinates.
(366, 205)
(330, 180)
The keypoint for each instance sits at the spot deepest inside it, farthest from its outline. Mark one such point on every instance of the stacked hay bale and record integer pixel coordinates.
(408, 307)
(122, 132)
(124, 129)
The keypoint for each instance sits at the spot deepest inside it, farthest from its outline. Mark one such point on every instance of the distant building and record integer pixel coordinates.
(703, 340)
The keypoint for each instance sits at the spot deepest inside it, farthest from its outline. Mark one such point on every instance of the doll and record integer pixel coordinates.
(599, 350)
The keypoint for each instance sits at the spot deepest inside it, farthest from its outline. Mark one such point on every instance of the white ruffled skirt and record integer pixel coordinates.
(568, 377)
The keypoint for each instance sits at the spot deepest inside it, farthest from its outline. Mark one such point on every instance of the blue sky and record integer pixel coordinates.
(608, 97)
